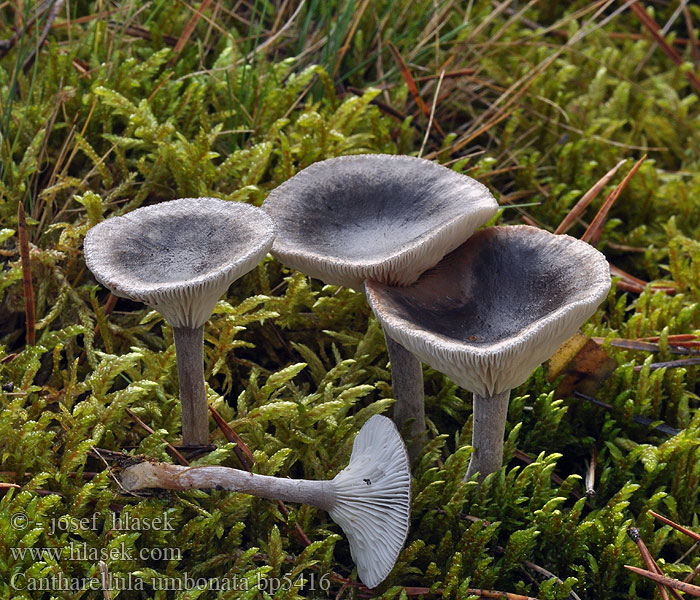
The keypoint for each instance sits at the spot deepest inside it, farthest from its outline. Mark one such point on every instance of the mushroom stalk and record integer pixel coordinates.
(407, 386)
(487, 434)
(174, 477)
(189, 348)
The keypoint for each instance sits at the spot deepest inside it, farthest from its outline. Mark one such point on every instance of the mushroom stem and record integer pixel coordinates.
(174, 477)
(189, 348)
(407, 386)
(488, 430)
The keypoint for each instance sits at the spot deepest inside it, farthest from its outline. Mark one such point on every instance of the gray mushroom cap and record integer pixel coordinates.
(494, 309)
(374, 216)
(180, 256)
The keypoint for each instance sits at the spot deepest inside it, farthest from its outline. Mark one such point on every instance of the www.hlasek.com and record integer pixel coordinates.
(310, 582)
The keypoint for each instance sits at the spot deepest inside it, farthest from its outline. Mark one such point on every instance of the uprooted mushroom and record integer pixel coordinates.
(370, 498)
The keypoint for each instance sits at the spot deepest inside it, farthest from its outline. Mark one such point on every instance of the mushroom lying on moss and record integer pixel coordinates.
(381, 217)
(490, 312)
(370, 499)
(180, 257)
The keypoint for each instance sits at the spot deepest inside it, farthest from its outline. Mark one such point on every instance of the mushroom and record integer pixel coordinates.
(370, 498)
(380, 217)
(490, 312)
(180, 257)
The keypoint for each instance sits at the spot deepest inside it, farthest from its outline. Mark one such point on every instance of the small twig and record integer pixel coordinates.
(676, 526)
(693, 574)
(586, 199)
(241, 449)
(104, 576)
(653, 28)
(590, 473)
(410, 82)
(188, 30)
(649, 561)
(646, 421)
(172, 450)
(549, 575)
(26, 275)
(688, 588)
(44, 34)
(247, 460)
(691, 34)
(432, 114)
(647, 345)
(671, 364)
(592, 234)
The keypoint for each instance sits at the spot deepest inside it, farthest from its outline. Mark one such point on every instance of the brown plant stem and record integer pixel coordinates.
(26, 275)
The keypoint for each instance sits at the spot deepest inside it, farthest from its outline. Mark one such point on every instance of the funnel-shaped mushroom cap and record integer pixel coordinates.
(494, 309)
(180, 256)
(373, 499)
(374, 216)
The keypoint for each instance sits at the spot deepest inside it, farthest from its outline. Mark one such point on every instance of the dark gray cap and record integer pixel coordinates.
(180, 256)
(374, 216)
(494, 309)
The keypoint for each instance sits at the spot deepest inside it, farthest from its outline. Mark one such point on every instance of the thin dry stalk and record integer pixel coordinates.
(172, 450)
(688, 588)
(654, 29)
(586, 199)
(410, 82)
(432, 114)
(649, 561)
(26, 275)
(348, 38)
(247, 460)
(676, 526)
(592, 234)
(590, 473)
(44, 34)
(691, 34)
(189, 30)
(242, 451)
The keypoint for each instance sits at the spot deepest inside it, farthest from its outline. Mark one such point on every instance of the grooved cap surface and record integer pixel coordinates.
(373, 499)
(180, 256)
(377, 216)
(494, 309)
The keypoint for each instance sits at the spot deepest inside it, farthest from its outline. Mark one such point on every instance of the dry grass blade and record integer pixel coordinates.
(654, 29)
(592, 234)
(189, 29)
(44, 33)
(350, 35)
(26, 274)
(247, 460)
(688, 588)
(676, 526)
(586, 199)
(630, 283)
(691, 34)
(411, 83)
(671, 364)
(649, 561)
(172, 450)
(242, 451)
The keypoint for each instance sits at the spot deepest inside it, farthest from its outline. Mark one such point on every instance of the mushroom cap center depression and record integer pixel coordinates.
(367, 214)
(492, 288)
(174, 248)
